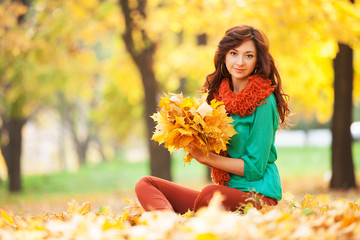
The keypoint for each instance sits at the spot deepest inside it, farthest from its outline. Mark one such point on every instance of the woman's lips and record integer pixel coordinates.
(239, 70)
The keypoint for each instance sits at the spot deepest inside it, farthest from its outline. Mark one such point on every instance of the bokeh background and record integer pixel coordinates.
(80, 79)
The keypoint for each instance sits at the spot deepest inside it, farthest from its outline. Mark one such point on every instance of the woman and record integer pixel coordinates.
(247, 81)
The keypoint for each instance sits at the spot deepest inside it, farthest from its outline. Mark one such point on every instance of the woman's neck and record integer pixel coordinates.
(239, 85)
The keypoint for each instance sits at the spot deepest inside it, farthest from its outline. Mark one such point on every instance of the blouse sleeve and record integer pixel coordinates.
(261, 139)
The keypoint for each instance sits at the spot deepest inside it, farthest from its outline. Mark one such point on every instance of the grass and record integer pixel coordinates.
(310, 160)
(114, 175)
(303, 161)
(121, 175)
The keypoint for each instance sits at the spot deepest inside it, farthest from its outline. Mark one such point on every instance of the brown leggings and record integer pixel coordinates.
(158, 194)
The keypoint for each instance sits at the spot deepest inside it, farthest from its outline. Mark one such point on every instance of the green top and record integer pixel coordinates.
(254, 143)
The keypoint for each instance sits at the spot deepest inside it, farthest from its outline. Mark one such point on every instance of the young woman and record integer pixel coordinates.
(247, 81)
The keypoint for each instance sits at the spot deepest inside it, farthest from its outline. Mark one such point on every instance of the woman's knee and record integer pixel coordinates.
(143, 182)
(205, 196)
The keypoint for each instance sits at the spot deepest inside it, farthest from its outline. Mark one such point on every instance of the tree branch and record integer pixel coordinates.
(127, 35)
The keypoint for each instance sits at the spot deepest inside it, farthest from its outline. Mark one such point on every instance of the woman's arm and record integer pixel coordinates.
(257, 147)
(232, 165)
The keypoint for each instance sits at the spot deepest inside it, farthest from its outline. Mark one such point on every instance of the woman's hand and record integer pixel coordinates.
(198, 155)
(232, 165)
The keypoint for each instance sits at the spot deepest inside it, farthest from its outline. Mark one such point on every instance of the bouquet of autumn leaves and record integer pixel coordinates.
(184, 121)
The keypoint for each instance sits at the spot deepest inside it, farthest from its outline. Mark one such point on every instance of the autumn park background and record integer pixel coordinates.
(79, 80)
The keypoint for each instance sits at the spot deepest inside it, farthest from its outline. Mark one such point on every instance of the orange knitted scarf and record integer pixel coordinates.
(242, 104)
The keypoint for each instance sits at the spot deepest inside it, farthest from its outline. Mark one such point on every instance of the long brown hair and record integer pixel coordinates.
(265, 66)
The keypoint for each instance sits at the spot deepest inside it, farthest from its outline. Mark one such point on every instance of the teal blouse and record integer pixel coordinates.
(255, 144)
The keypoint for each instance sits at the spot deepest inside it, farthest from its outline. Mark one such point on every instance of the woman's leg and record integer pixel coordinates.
(233, 198)
(157, 194)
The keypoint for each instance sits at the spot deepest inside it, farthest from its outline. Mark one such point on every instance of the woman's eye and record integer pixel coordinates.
(233, 53)
(249, 56)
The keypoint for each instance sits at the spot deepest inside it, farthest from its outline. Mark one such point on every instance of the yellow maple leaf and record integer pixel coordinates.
(205, 110)
(215, 104)
(8, 217)
(84, 208)
(206, 236)
(73, 207)
(187, 103)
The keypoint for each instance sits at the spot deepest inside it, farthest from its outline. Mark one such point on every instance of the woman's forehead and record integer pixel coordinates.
(247, 45)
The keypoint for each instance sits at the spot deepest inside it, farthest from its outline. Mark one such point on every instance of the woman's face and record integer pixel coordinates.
(241, 61)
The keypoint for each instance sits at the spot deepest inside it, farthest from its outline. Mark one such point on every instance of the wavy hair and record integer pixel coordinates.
(265, 66)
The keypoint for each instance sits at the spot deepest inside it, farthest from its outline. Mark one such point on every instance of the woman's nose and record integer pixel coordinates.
(240, 61)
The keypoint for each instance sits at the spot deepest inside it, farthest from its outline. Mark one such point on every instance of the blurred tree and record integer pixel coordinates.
(81, 27)
(142, 49)
(343, 176)
(86, 31)
(13, 69)
(43, 53)
(79, 123)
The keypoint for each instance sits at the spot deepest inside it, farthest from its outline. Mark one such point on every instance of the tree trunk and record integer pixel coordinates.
(343, 176)
(96, 138)
(143, 58)
(81, 149)
(81, 146)
(62, 133)
(76, 118)
(159, 156)
(12, 151)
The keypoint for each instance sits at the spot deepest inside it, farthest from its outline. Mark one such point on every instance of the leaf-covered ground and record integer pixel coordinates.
(312, 217)
(320, 214)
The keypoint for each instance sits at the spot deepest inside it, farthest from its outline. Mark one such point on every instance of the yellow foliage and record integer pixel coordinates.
(9, 12)
(319, 217)
(56, 43)
(8, 218)
(184, 121)
(74, 207)
(52, 50)
(3, 168)
(303, 40)
(206, 236)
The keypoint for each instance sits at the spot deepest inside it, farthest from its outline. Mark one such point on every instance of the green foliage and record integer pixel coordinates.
(307, 211)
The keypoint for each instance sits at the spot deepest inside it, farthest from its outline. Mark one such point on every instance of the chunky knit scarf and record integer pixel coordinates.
(242, 104)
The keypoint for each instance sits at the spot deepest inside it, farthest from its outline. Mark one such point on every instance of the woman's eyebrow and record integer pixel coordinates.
(249, 51)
